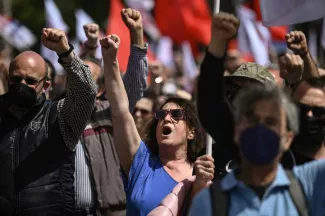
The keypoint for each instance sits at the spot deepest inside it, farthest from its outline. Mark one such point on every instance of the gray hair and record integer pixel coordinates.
(248, 97)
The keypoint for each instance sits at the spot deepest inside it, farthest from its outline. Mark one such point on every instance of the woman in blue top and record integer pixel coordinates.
(150, 171)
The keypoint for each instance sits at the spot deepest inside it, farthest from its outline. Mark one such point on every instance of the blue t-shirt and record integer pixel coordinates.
(148, 183)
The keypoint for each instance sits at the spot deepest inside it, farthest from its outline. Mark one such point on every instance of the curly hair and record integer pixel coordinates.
(194, 146)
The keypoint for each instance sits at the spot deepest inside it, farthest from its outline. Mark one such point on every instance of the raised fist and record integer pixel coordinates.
(296, 41)
(291, 68)
(110, 45)
(55, 40)
(224, 26)
(132, 19)
(92, 33)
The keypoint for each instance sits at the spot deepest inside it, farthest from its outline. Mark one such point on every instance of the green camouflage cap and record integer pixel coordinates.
(253, 71)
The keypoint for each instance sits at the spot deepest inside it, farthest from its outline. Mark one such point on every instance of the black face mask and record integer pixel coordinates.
(22, 95)
(311, 134)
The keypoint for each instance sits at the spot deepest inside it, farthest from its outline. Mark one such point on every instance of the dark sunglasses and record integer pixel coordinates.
(317, 111)
(29, 81)
(142, 111)
(176, 114)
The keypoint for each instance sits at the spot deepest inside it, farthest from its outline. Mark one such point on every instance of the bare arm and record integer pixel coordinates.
(126, 137)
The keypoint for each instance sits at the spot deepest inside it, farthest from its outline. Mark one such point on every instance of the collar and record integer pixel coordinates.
(230, 181)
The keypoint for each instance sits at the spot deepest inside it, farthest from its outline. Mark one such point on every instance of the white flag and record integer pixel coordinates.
(18, 35)
(53, 19)
(149, 23)
(190, 68)
(288, 12)
(82, 18)
(165, 52)
(255, 36)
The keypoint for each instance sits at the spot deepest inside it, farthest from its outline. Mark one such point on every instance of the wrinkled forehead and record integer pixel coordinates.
(309, 95)
(145, 103)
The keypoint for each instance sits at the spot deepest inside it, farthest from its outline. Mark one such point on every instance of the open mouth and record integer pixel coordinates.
(166, 130)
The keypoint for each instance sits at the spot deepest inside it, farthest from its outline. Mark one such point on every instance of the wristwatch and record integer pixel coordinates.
(65, 54)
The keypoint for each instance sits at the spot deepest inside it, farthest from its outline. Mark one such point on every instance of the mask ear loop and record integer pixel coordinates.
(39, 82)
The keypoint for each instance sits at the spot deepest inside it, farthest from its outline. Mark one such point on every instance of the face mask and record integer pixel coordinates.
(311, 134)
(259, 145)
(22, 95)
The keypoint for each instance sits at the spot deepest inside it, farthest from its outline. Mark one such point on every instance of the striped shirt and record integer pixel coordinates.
(135, 83)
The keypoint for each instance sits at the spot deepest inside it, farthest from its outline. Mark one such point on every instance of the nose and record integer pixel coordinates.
(23, 81)
(138, 113)
(310, 114)
(168, 117)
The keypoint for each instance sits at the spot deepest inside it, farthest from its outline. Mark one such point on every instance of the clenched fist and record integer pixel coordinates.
(296, 41)
(132, 19)
(92, 33)
(224, 27)
(110, 45)
(55, 40)
(291, 68)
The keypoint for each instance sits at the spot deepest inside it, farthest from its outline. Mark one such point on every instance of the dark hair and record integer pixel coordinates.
(194, 146)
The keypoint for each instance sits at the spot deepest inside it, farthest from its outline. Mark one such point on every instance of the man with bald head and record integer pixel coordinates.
(37, 136)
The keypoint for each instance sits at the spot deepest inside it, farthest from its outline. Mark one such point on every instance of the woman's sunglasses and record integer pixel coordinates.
(176, 114)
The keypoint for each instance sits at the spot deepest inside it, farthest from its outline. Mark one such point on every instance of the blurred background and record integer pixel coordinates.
(177, 31)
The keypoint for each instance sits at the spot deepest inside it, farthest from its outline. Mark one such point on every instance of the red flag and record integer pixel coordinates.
(117, 26)
(184, 20)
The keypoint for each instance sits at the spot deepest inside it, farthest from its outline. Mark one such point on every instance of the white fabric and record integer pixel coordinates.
(53, 19)
(288, 12)
(255, 35)
(18, 35)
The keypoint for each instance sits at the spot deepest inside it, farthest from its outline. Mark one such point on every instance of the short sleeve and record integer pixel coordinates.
(201, 204)
(138, 167)
(312, 178)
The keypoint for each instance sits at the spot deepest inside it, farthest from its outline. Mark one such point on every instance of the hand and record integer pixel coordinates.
(55, 40)
(224, 27)
(92, 34)
(291, 68)
(110, 45)
(132, 19)
(296, 41)
(204, 169)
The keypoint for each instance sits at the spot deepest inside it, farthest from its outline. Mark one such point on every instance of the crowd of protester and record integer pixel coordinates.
(98, 141)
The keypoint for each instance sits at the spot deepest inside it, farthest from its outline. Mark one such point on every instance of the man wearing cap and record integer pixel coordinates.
(215, 105)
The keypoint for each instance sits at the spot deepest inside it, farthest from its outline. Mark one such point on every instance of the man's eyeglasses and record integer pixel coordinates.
(317, 111)
(29, 81)
(176, 114)
(142, 111)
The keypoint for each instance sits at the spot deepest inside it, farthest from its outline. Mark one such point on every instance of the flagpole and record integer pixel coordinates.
(209, 138)
(216, 6)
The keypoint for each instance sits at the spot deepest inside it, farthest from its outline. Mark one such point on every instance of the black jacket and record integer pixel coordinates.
(36, 167)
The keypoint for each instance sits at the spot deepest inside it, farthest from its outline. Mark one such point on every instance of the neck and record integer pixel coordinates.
(255, 175)
(320, 154)
(173, 157)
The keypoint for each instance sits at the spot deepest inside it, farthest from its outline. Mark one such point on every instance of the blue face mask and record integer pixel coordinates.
(259, 145)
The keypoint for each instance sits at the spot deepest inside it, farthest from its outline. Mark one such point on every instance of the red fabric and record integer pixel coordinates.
(117, 26)
(183, 20)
